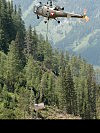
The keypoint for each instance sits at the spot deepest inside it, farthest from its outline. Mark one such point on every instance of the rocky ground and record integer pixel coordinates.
(55, 114)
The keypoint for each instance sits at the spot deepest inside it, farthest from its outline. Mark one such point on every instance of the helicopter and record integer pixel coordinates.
(51, 11)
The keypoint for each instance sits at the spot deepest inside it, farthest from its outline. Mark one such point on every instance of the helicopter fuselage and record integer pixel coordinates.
(48, 12)
(53, 12)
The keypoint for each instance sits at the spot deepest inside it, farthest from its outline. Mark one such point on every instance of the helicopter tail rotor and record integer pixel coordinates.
(85, 17)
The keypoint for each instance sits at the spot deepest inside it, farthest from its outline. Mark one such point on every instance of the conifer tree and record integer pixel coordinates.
(63, 81)
(70, 92)
(12, 66)
(19, 42)
(35, 44)
(3, 34)
(44, 88)
(30, 72)
(29, 42)
(51, 86)
(91, 93)
(60, 100)
(33, 76)
(55, 62)
(23, 110)
(2, 68)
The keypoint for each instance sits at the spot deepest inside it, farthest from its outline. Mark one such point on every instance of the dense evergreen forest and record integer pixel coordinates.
(32, 72)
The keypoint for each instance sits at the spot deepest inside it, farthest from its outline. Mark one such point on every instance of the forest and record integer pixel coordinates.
(31, 71)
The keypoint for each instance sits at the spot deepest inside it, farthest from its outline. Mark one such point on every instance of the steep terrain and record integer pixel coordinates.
(31, 72)
(73, 35)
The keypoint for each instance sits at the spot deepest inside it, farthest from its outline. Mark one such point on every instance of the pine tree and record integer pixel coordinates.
(29, 69)
(44, 88)
(19, 42)
(55, 62)
(70, 92)
(91, 93)
(33, 76)
(80, 84)
(3, 34)
(3, 41)
(8, 105)
(62, 85)
(10, 29)
(35, 44)
(60, 100)
(51, 85)
(12, 66)
(2, 68)
(29, 42)
(23, 104)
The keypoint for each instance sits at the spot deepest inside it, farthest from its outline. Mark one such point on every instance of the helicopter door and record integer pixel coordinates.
(45, 12)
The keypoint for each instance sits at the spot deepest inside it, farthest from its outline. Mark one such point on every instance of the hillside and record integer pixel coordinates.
(70, 34)
(32, 72)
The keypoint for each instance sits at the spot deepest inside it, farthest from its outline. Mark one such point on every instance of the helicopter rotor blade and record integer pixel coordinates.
(85, 11)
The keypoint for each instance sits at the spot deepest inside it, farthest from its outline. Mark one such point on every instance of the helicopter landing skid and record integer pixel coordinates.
(57, 21)
(38, 17)
(45, 22)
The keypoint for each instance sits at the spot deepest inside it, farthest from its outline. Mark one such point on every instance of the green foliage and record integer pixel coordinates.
(31, 72)
(23, 103)
(12, 66)
(10, 24)
(47, 88)
(2, 67)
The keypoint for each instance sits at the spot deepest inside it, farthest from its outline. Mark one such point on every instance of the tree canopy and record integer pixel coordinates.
(31, 71)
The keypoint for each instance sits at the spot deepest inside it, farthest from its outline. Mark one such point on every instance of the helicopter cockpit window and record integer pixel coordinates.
(57, 8)
(35, 8)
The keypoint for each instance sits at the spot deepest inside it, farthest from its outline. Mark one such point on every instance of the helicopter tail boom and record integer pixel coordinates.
(70, 15)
